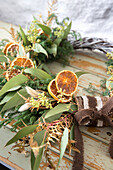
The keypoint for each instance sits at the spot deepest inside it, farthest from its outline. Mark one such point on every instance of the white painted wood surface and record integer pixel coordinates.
(96, 140)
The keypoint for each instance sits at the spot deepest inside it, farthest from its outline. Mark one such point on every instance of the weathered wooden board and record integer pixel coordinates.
(95, 65)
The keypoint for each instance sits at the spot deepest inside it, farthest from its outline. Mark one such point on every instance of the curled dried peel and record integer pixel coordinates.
(6, 47)
(11, 47)
(67, 82)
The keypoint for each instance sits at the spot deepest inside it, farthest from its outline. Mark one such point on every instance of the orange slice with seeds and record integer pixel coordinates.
(22, 62)
(66, 82)
(57, 96)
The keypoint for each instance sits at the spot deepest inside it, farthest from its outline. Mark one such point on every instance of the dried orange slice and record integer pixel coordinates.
(22, 62)
(57, 96)
(12, 47)
(11, 73)
(67, 82)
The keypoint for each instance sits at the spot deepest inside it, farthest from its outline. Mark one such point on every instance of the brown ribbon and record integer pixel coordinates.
(90, 116)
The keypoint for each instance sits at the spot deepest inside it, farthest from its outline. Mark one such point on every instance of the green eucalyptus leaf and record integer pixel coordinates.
(32, 159)
(38, 159)
(80, 73)
(67, 30)
(53, 118)
(21, 50)
(39, 136)
(53, 49)
(74, 107)
(72, 133)
(42, 75)
(14, 88)
(23, 132)
(3, 59)
(15, 100)
(58, 109)
(64, 142)
(58, 41)
(46, 29)
(7, 97)
(15, 81)
(44, 67)
(39, 49)
(51, 16)
(24, 37)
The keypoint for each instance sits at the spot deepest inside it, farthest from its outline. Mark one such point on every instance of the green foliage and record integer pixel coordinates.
(47, 43)
(72, 133)
(21, 50)
(47, 30)
(67, 31)
(38, 84)
(57, 109)
(64, 142)
(80, 73)
(39, 49)
(42, 75)
(2, 82)
(24, 37)
(32, 159)
(3, 59)
(38, 159)
(7, 97)
(23, 132)
(15, 100)
(15, 81)
(39, 136)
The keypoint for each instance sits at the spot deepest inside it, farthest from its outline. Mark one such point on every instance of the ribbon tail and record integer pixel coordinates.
(111, 147)
(109, 121)
(78, 159)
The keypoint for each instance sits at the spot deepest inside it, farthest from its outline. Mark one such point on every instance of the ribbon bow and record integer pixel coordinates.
(95, 111)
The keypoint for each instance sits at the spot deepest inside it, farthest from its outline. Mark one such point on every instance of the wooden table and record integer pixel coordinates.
(96, 140)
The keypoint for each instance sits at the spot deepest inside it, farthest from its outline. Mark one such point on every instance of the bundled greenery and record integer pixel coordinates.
(13, 96)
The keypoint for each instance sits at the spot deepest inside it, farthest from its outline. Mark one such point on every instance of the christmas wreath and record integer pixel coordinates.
(43, 108)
